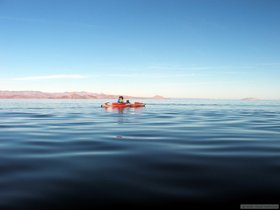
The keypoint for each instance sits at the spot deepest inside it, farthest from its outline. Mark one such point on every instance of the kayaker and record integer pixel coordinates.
(120, 100)
(127, 101)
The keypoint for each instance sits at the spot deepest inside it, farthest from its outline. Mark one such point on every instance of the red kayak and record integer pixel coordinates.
(123, 105)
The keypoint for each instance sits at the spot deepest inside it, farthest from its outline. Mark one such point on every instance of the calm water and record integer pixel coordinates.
(70, 153)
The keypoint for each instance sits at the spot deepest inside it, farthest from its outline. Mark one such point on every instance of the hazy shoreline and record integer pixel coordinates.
(6, 94)
(66, 95)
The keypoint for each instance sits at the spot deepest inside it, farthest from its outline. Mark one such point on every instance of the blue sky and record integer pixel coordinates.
(176, 48)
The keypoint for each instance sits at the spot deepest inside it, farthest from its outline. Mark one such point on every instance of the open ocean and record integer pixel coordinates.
(62, 154)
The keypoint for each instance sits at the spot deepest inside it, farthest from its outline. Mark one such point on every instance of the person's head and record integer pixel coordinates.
(121, 97)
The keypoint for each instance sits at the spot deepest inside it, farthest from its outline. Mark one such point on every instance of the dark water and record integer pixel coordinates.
(61, 154)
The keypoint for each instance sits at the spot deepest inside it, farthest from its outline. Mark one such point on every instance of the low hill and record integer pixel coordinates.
(64, 95)
(249, 99)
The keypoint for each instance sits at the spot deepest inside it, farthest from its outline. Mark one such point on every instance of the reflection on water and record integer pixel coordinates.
(61, 154)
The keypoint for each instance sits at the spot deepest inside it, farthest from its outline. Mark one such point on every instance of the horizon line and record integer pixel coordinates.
(157, 95)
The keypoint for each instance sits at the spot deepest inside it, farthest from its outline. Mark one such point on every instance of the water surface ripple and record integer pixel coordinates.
(67, 153)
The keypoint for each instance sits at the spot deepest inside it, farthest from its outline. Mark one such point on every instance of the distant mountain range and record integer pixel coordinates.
(249, 99)
(64, 95)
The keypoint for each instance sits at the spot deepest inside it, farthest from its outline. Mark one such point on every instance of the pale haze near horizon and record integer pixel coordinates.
(179, 48)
